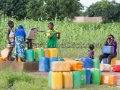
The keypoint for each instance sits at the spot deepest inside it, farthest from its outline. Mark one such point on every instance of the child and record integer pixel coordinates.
(90, 53)
(52, 35)
(10, 39)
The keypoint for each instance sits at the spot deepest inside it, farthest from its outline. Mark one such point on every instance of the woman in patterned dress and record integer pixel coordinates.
(20, 37)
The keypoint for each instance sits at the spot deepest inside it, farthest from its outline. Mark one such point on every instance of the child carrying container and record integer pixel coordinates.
(90, 53)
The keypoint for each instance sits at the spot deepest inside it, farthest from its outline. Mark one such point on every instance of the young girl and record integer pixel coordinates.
(10, 39)
(90, 53)
(53, 36)
(20, 37)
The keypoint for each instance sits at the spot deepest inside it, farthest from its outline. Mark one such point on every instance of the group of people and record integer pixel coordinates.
(109, 42)
(17, 39)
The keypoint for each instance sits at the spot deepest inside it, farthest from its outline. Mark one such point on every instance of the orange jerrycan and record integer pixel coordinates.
(53, 52)
(46, 53)
(60, 66)
(67, 80)
(113, 61)
(76, 66)
(57, 80)
(109, 79)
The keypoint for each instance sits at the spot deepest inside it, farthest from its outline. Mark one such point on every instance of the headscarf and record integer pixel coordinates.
(20, 32)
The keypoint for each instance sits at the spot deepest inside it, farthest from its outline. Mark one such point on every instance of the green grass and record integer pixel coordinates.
(72, 34)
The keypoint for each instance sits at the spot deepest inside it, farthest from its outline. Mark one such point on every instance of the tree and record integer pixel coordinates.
(96, 9)
(63, 8)
(108, 10)
(14, 8)
(36, 9)
(51, 9)
(111, 12)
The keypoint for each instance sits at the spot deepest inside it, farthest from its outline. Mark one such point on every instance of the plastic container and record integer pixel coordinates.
(39, 53)
(109, 79)
(105, 67)
(107, 49)
(57, 80)
(96, 63)
(87, 62)
(1, 59)
(29, 55)
(60, 66)
(50, 79)
(95, 76)
(53, 52)
(68, 59)
(104, 60)
(67, 80)
(76, 79)
(46, 53)
(52, 59)
(34, 49)
(44, 64)
(60, 59)
(113, 61)
(83, 77)
(88, 75)
(76, 65)
(116, 68)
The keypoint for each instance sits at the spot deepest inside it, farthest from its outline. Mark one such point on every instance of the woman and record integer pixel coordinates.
(109, 42)
(20, 37)
(10, 39)
(52, 35)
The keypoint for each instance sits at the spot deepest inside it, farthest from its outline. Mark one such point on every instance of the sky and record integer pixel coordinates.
(89, 2)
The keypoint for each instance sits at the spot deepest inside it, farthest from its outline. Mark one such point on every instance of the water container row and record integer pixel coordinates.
(37, 53)
(90, 63)
(45, 63)
(74, 79)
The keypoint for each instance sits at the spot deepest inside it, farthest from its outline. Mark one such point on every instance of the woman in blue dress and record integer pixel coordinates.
(20, 37)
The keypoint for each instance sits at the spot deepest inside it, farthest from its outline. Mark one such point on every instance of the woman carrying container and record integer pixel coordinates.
(53, 36)
(109, 42)
(20, 37)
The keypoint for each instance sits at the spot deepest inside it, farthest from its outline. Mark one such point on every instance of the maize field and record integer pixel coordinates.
(75, 37)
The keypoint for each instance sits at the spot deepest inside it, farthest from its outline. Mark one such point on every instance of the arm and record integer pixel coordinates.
(106, 42)
(8, 36)
(50, 36)
(58, 36)
(92, 55)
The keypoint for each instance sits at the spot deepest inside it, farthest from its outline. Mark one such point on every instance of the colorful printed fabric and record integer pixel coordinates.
(19, 47)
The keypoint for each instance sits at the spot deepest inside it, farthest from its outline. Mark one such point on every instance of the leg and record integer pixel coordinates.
(102, 56)
(10, 56)
(9, 53)
(110, 58)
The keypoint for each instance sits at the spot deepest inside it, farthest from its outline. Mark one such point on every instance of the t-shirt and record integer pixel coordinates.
(90, 54)
(115, 45)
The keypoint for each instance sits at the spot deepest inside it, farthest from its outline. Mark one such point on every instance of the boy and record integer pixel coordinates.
(53, 36)
(90, 53)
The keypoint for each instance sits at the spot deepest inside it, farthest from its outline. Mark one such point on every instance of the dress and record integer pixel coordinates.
(51, 42)
(19, 43)
(11, 39)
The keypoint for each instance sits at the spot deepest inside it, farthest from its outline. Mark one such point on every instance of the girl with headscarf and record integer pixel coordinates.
(20, 37)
